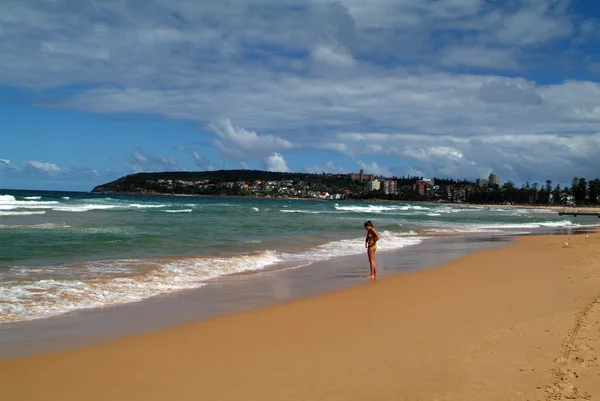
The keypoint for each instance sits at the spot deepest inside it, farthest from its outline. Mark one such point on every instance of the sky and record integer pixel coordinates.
(92, 90)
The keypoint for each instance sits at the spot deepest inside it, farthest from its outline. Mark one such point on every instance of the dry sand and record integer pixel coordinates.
(515, 323)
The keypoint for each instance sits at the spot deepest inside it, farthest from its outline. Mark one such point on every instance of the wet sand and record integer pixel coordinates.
(520, 322)
(228, 294)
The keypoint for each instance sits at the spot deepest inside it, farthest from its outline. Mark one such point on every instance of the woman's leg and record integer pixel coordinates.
(373, 265)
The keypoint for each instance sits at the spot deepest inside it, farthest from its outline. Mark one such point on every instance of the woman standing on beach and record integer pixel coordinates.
(371, 245)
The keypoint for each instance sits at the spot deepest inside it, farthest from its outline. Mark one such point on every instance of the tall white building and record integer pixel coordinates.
(373, 185)
(494, 179)
(389, 187)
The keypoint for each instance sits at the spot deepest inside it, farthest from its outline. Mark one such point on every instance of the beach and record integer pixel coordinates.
(520, 322)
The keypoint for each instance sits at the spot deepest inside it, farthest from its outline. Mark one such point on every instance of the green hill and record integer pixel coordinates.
(223, 182)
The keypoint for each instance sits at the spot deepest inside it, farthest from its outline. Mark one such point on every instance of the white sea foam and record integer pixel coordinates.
(403, 209)
(47, 297)
(9, 213)
(9, 202)
(498, 227)
(371, 208)
(83, 208)
(103, 283)
(43, 226)
(178, 211)
(389, 241)
(147, 206)
(303, 211)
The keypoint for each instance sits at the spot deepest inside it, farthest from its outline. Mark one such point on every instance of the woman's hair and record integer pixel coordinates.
(368, 223)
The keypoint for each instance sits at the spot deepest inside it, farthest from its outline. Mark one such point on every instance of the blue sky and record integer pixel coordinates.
(94, 90)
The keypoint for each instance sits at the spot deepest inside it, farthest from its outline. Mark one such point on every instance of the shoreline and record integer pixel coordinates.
(375, 200)
(485, 327)
(230, 294)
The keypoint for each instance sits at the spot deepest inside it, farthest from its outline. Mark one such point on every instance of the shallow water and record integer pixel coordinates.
(62, 252)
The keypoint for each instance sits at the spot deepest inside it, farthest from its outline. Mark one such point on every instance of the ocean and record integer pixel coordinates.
(69, 251)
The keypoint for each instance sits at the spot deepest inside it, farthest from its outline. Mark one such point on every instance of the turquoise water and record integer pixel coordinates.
(63, 251)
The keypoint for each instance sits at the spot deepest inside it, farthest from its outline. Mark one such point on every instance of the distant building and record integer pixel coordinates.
(494, 179)
(422, 186)
(482, 182)
(390, 187)
(362, 177)
(373, 185)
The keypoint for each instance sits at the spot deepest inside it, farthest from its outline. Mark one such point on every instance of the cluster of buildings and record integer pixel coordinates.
(290, 188)
(427, 187)
(491, 181)
(387, 186)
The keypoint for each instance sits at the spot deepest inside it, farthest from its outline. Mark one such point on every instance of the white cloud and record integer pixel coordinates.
(181, 43)
(49, 168)
(202, 162)
(240, 144)
(536, 22)
(509, 92)
(6, 167)
(141, 161)
(374, 168)
(384, 77)
(386, 101)
(140, 157)
(36, 174)
(519, 158)
(276, 162)
(329, 167)
(333, 55)
(479, 56)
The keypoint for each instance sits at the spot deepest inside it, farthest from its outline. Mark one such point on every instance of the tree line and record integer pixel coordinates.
(581, 193)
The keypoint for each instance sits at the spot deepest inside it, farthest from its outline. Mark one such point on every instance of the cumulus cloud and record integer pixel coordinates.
(524, 157)
(276, 162)
(536, 22)
(139, 157)
(199, 160)
(202, 162)
(49, 168)
(333, 55)
(329, 168)
(140, 161)
(375, 169)
(510, 92)
(362, 78)
(479, 56)
(36, 174)
(240, 144)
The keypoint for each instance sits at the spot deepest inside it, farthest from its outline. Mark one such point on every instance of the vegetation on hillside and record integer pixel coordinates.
(341, 186)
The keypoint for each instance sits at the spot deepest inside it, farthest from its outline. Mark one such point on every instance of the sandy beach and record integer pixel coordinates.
(520, 322)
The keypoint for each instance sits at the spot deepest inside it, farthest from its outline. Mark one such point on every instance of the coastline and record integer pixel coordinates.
(516, 322)
(375, 200)
(229, 294)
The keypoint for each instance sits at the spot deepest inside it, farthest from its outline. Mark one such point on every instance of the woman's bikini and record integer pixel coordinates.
(374, 245)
